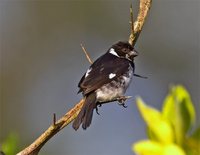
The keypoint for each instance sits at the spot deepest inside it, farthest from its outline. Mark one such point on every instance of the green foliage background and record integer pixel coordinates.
(10, 145)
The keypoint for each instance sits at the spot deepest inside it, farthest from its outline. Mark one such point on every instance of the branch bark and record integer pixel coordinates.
(136, 28)
(35, 147)
(86, 54)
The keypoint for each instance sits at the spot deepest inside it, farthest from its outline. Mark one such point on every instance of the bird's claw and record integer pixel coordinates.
(122, 100)
(97, 110)
(125, 106)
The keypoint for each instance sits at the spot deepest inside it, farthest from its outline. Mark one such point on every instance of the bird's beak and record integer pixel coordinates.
(133, 54)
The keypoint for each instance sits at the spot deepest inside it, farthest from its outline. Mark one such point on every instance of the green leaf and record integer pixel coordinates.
(147, 147)
(193, 143)
(10, 145)
(173, 149)
(179, 110)
(159, 129)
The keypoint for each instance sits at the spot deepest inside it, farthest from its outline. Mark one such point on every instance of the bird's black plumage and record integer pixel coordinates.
(100, 70)
(106, 80)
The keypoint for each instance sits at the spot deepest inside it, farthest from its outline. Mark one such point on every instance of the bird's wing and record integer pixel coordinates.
(102, 71)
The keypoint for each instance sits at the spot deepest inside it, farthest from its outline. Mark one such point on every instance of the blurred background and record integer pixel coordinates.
(42, 62)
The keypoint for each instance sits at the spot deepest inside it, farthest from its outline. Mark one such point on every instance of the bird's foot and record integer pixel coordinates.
(123, 105)
(99, 104)
(97, 110)
(121, 100)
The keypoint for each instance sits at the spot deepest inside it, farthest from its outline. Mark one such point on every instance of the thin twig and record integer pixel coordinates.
(138, 24)
(86, 54)
(54, 119)
(132, 25)
(35, 147)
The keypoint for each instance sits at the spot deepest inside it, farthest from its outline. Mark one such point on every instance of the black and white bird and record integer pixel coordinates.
(106, 80)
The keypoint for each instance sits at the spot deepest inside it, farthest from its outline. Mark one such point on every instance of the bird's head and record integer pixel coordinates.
(123, 50)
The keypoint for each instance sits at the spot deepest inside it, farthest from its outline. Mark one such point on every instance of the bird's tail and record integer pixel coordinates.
(85, 115)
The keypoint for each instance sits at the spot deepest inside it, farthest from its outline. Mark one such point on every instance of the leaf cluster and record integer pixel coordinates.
(169, 130)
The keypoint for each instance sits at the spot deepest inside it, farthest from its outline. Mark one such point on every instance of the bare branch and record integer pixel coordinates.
(54, 119)
(138, 24)
(86, 54)
(132, 20)
(35, 147)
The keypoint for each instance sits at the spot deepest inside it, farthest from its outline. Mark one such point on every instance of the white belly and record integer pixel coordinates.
(108, 94)
(115, 89)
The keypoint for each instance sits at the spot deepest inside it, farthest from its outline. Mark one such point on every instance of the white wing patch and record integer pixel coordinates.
(88, 71)
(112, 51)
(111, 75)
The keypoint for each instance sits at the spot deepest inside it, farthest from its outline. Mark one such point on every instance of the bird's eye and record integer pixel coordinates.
(125, 50)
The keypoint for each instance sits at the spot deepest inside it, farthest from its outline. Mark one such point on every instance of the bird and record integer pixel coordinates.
(106, 80)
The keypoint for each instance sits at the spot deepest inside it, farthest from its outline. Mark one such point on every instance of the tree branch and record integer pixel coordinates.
(56, 126)
(35, 147)
(138, 24)
(86, 54)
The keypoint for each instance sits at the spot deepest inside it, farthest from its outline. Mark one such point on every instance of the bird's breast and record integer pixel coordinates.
(115, 88)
